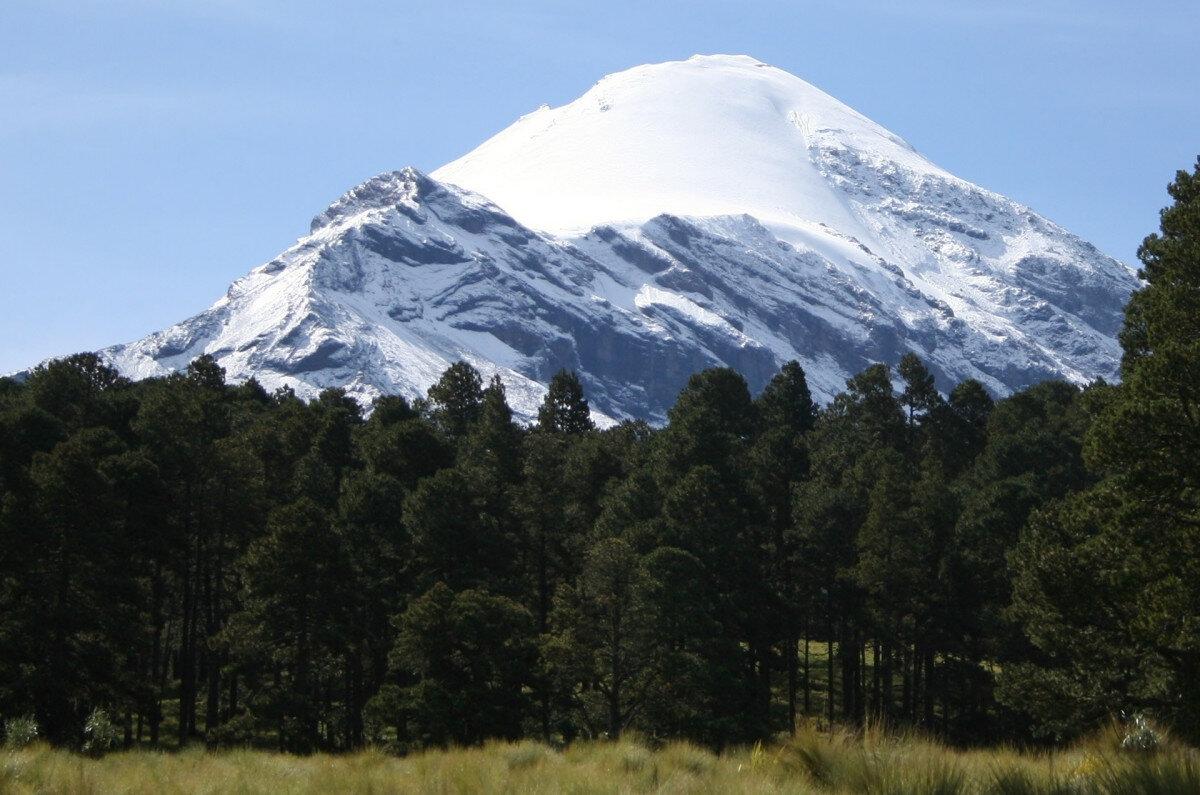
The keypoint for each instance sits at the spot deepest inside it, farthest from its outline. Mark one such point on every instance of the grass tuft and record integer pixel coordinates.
(839, 762)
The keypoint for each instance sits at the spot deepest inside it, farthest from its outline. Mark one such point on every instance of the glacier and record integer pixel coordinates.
(715, 211)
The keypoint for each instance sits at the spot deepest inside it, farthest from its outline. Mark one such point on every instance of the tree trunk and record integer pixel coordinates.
(906, 675)
(829, 684)
(157, 666)
(930, 688)
(861, 679)
(793, 644)
(280, 725)
(186, 657)
(763, 684)
(920, 684)
(875, 691)
(354, 699)
(849, 658)
(807, 671)
(232, 707)
(885, 681)
(614, 693)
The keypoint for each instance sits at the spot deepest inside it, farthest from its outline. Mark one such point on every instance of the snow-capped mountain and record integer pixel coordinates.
(714, 211)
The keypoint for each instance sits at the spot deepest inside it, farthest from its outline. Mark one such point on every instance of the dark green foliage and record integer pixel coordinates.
(565, 409)
(392, 409)
(710, 423)
(493, 446)
(920, 398)
(1107, 581)
(206, 562)
(469, 656)
(70, 621)
(256, 569)
(79, 390)
(786, 401)
(456, 400)
(959, 429)
(249, 568)
(683, 698)
(456, 538)
(296, 612)
(602, 645)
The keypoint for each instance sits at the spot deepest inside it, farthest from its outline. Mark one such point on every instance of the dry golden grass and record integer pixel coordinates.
(811, 762)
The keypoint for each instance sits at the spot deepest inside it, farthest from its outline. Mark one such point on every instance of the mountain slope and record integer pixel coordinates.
(676, 216)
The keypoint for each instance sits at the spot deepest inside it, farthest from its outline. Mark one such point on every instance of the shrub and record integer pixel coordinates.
(239, 731)
(100, 734)
(1140, 736)
(20, 732)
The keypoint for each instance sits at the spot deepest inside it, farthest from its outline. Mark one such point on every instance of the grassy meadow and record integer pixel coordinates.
(812, 762)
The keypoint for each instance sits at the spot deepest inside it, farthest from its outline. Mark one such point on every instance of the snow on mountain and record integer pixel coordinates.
(714, 211)
(713, 135)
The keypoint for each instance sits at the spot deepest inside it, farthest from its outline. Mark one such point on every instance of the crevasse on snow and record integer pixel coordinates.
(714, 211)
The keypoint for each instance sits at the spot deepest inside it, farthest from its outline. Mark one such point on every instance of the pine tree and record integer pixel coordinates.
(180, 422)
(601, 647)
(493, 447)
(920, 399)
(872, 408)
(786, 401)
(544, 504)
(565, 409)
(778, 460)
(408, 449)
(456, 400)
(708, 509)
(711, 424)
(298, 598)
(1079, 594)
(1137, 532)
(455, 540)
(469, 656)
(378, 550)
(392, 409)
(80, 390)
(71, 621)
(958, 428)
(691, 667)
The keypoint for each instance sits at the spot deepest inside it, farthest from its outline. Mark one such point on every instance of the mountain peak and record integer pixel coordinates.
(711, 135)
(727, 58)
(405, 186)
(708, 212)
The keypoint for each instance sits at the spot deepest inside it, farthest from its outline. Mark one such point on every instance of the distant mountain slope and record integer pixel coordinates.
(714, 211)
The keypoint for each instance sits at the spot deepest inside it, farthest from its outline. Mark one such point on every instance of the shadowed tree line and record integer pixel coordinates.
(213, 562)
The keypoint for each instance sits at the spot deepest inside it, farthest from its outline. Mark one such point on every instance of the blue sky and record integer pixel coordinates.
(151, 151)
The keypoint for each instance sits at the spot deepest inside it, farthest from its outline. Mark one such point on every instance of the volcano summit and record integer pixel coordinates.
(707, 212)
